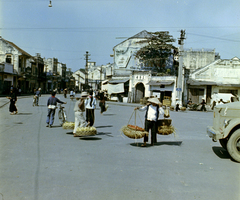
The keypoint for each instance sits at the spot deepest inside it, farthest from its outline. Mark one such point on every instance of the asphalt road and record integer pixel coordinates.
(40, 163)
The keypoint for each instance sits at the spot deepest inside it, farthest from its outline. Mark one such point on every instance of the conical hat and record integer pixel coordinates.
(154, 100)
(84, 94)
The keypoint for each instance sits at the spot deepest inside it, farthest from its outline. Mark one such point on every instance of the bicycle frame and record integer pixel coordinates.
(62, 116)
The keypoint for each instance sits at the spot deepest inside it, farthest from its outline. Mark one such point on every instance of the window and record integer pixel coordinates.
(9, 59)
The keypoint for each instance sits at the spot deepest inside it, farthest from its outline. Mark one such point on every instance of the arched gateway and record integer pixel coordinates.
(140, 91)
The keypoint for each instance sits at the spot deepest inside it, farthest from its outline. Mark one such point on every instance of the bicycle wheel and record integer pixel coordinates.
(64, 116)
(61, 117)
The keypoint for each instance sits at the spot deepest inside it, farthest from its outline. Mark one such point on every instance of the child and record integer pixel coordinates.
(153, 110)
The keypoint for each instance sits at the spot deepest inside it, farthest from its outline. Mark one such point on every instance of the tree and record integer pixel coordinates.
(157, 51)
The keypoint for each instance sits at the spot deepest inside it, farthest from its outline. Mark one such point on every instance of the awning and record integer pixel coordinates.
(114, 88)
(164, 82)
(118, 81)
(105, 82)
(192, 82)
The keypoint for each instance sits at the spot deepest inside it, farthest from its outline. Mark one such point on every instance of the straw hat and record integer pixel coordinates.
(84, 94)
(154, 100)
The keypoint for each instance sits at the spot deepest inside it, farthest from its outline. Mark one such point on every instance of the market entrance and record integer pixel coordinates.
(140, 91)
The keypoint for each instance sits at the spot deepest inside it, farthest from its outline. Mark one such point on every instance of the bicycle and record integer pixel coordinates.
(62, 115)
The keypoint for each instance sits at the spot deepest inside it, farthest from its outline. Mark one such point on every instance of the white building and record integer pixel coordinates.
(221, 76)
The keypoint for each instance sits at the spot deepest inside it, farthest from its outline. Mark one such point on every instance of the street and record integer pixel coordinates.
(40, 163)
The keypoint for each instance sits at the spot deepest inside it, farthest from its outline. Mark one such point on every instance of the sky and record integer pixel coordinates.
(71, 27)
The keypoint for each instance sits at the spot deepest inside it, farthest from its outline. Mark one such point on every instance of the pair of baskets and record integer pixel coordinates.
(136, 132)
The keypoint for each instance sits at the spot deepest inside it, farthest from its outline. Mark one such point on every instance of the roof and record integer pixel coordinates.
(143, 34)
(18, 48)
(118, 80)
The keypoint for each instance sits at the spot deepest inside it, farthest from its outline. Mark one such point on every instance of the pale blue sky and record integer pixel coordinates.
(71, 27)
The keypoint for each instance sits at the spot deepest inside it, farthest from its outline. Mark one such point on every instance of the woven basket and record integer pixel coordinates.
(166, 130)
(183, 108)
(86, 131)
(68, 125)
(133, 134)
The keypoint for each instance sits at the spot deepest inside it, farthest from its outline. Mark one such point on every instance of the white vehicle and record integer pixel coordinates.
(226, 128)
(226, 98)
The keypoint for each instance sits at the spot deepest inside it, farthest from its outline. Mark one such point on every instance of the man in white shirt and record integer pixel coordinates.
(153, 110)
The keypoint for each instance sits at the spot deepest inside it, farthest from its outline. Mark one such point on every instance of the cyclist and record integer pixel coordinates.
(52, 103)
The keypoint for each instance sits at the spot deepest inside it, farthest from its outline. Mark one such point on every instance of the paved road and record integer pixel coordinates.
(39, 163)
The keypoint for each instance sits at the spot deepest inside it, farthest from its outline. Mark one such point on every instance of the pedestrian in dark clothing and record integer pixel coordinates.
(52, 103)
(102, 103)
(13, 98)
(203, 103)
(65, 93)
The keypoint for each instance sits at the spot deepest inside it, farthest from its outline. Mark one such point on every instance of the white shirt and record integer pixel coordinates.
(87, 103)
(152, 112)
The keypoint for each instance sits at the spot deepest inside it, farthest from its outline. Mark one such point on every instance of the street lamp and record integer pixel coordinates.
(50, 4)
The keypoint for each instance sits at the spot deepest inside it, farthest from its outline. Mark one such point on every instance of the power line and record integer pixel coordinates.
(111, 27)
(219, 38)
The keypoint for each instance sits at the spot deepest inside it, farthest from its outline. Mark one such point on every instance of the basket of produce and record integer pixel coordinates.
(68, 125)
(165, 127)
(85, 131)
(134, 131)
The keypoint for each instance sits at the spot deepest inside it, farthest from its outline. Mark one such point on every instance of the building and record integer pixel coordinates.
(220, 76)
(7, 76)
(130, 78)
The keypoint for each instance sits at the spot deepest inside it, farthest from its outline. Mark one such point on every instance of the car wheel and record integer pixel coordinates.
(233, 145)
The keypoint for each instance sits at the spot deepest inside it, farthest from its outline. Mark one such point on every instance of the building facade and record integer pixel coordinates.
(221, 76)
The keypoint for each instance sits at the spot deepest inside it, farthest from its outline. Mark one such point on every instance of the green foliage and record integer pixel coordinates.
(157, 51)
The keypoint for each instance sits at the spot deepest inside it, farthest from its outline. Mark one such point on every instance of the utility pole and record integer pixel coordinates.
(180, 68)
(86, 68)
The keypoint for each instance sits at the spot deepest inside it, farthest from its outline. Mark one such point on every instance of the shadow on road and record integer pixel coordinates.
(221, 152)
(104, 126)
(175, 143)
(107, 134)
(24, 114)
(108, 114)
(89, 138)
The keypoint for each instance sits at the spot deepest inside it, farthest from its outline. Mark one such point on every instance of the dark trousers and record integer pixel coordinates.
(50, 116)
(90, 116)
(12, 106)
(153, 126)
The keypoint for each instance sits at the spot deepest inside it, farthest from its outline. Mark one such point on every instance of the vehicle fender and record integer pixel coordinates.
(233, 123)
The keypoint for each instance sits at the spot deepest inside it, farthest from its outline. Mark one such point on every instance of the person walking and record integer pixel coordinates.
(203, 103)
(51, 104)
(13, 98)
(153, 110)
(79, 110)
(102, 103)
(38, 94)
(65, 93)
(90, 104)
